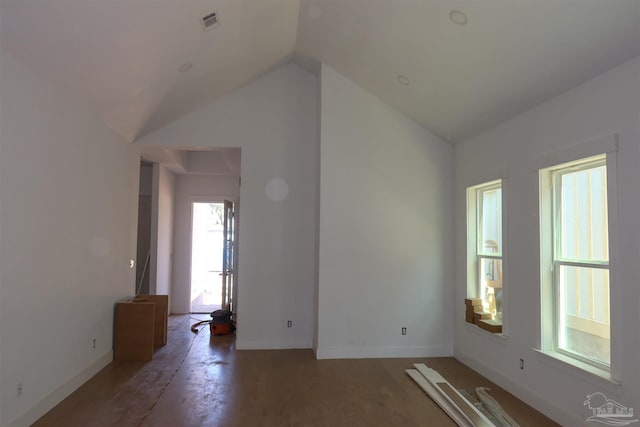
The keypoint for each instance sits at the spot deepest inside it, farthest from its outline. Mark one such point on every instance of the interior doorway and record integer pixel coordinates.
(144, 228)
(212, 244)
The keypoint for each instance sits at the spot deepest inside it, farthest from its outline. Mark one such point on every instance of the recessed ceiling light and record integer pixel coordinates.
(403, 80)
(315, 12)
(185, 67)
(457, 17)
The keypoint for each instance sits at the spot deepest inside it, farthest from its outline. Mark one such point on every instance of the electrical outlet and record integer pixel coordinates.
(19, 390)
(94, 343)
(521, 363)
(404, 331)
(289, 323)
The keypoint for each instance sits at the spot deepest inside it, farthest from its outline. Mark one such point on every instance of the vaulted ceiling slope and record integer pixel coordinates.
(508, 57)
(123, 57)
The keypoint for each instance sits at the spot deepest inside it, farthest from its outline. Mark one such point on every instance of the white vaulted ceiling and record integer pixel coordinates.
(122, 57)
(511, 54)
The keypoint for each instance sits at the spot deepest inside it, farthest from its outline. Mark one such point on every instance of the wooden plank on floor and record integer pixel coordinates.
(441, 385)
(458, 417)
(478, 418)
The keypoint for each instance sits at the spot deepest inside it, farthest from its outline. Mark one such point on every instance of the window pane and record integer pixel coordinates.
(491, 217)
(584, 312)
(491, 286)
(583, 215)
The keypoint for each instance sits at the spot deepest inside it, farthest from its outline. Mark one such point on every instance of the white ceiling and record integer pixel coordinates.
(195, 161)
(122, 57)
(510, 56)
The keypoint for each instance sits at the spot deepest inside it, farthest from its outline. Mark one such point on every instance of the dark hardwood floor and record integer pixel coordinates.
(201, 380)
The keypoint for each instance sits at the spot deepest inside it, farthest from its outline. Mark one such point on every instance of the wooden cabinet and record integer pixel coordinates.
(134, 330)
(140, 326)
(161, 315)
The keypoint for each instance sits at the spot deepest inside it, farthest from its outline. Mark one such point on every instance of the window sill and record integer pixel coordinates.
(596, 376)
(499, 338)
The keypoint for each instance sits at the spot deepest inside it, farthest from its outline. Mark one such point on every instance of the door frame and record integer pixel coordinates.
(212, 199)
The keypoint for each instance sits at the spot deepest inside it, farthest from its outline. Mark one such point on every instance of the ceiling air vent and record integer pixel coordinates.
(210, 21)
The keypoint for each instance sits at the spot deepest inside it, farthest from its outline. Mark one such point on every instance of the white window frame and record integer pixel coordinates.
(606, 145)
(559, 261)
(475, 254)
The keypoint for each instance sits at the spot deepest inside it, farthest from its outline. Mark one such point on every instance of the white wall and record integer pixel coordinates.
(273, 120)
(162, 233)
(68, 202)
(189, 189)
(385, 247)
(609, 103)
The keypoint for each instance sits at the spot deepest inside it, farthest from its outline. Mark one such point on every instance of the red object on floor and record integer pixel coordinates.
(220, 328)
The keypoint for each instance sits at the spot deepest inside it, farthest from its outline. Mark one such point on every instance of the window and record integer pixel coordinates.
(484, 240)
(575, 260)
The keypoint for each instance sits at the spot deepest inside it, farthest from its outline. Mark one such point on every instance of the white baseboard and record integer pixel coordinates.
(370, 352)
(58, 395)
(272, 344)
(523, 393)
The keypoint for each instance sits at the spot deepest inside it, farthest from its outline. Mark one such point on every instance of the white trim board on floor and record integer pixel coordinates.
(522, 392)
(457, 407)
(443, 403)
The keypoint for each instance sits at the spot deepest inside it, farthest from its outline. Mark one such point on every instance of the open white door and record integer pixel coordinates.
(228, 273)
